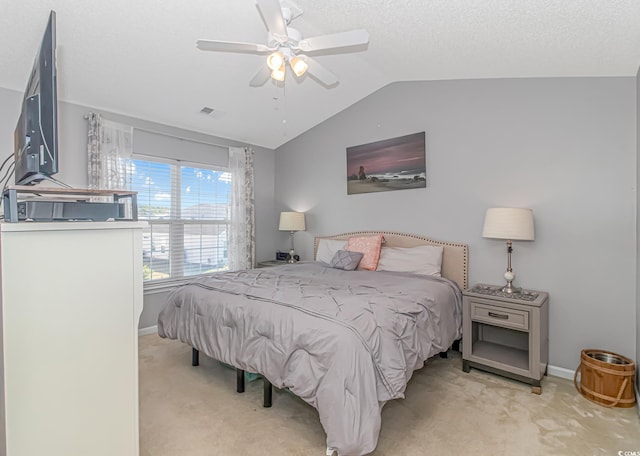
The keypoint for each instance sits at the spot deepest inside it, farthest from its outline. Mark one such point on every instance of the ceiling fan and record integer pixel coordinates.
(285, 45)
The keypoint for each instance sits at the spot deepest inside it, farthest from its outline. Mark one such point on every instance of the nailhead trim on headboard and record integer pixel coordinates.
(454, 261)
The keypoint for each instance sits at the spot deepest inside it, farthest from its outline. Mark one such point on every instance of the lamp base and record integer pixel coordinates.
(508, 288)
(509, 276)
(292, 257)
(292, 253)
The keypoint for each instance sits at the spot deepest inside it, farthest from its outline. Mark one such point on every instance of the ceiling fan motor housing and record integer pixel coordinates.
(293, 38)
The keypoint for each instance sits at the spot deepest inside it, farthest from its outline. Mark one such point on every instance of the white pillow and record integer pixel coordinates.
(327, 248)
(423, 259)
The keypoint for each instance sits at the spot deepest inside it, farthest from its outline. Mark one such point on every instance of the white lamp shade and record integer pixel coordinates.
(512, 223)
(292, 221)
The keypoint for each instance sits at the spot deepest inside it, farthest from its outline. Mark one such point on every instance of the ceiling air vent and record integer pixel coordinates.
(212, 113)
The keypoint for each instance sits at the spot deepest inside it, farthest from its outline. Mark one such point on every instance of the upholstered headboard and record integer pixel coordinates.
(454, 256)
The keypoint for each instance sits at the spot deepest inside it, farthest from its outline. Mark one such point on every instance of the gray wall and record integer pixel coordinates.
(563, 147)
(73, 168)
(637, 236)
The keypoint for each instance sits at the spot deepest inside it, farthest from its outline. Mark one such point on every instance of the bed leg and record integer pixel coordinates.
(268, 392)
(195, 357)
(239, 380)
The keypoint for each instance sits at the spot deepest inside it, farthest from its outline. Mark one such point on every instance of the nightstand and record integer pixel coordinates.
(506, 334)
(267, 264)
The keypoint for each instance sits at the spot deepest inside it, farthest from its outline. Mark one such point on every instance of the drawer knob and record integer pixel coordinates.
(497, 315)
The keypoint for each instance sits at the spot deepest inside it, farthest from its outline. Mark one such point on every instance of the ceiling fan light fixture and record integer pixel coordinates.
(275, 60)
(286, 46)
(278, 73)
(299, 66)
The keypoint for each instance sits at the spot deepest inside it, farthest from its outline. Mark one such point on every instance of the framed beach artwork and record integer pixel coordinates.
(392, 164)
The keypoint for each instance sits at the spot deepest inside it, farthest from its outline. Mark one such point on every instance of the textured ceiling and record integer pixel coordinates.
(138, 57)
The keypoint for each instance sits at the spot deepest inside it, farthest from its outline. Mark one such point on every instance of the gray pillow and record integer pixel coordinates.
(346, 259)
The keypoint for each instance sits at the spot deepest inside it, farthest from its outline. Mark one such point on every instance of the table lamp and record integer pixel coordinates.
(292, 222)
(512, 224)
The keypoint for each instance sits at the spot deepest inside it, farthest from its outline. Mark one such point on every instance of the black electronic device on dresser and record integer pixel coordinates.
(36, 156)
(36, 133)
(50, 211)
(286, 256)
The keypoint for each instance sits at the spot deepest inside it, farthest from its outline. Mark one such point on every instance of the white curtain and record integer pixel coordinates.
(110, 145)
(242, 238)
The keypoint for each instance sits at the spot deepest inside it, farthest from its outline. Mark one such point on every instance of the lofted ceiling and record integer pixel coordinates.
(139, 57)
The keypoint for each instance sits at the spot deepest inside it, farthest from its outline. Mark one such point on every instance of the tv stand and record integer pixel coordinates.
(58, 204)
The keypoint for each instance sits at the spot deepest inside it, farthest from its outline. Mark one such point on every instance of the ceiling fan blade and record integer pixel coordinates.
(261, 77)
(334, 41)
(319, 72)
(229, 46)
(272, 14)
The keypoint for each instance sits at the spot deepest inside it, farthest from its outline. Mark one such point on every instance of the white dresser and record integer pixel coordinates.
(71, 299)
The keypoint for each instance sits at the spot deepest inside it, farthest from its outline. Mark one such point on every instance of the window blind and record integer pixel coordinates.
(188, 213)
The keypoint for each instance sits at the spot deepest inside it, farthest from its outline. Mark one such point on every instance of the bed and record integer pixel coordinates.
(346, 342)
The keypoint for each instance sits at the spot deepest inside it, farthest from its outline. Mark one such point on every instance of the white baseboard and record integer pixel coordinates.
(149, 330)
(560, 372)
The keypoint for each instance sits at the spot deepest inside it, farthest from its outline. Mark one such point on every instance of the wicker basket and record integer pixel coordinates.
(606, 378)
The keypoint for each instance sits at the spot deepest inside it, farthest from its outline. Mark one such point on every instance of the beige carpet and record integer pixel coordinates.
(195, 411)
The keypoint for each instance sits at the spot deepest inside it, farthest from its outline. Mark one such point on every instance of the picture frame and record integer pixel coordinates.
(392, 164)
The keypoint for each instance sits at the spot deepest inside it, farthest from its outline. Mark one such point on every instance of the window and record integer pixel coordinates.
(188, 213)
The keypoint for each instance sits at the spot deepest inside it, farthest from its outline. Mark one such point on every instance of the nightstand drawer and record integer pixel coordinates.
(500, 316)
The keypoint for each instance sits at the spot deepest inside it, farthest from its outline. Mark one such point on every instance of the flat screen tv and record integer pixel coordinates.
(36, 134)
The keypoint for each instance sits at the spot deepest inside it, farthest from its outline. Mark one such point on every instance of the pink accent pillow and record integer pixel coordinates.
(369, 246)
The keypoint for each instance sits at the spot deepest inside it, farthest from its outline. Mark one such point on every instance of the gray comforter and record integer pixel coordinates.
(345, 342)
